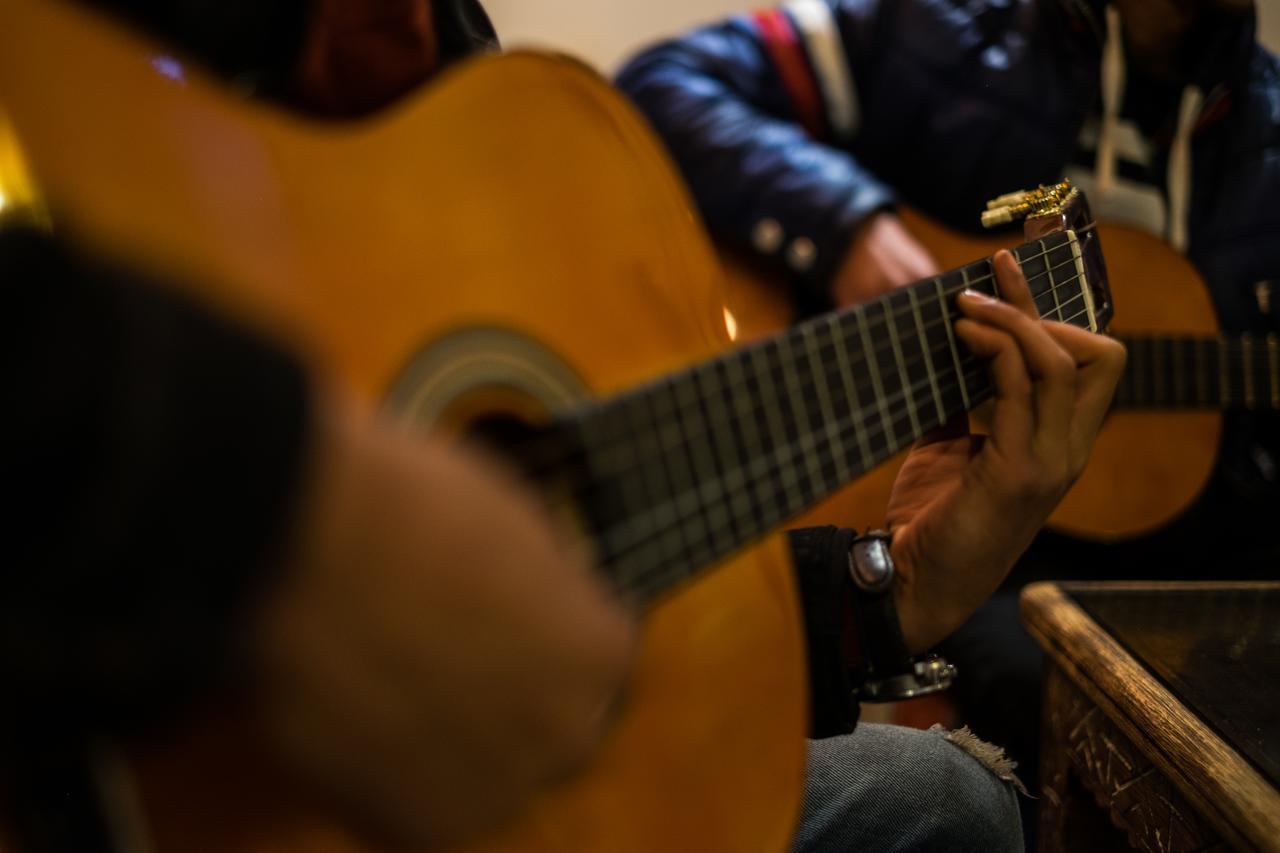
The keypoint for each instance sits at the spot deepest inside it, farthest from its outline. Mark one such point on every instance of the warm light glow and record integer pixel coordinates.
(3, 200)
(730, 324)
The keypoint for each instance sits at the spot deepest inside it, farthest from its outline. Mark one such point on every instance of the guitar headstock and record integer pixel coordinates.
(1056, 208)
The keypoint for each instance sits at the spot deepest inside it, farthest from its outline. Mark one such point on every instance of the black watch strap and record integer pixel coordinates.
(884, 653)
(891, 673)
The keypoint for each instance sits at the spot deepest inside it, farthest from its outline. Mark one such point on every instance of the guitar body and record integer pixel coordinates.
(518, 194)
(1147, 467)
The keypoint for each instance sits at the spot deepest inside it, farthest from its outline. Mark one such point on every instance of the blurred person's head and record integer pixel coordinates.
(333, 57)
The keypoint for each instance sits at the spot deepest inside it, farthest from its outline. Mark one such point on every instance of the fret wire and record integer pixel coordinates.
(792, 448)
(673, 538)
(757, 461)
(944, 319)
(1142, 383)
(1054, 290)
(846, 376)
(1273, 358)
(776, 430)
(1179, 372)
(657, 483)
(654, 477)
(1158, 372)
(904, 378)
(824, 402)
(804, 445)
(1246, 347)
(746, 419)
(951, 337)
(601, 461)
(712, 483)
(872, 363)
(1224, 389)
(798, 407)
(972, 283)
(727, 447)
(926, 354)
(668, 574)
(1077, 315)
(1202, 373)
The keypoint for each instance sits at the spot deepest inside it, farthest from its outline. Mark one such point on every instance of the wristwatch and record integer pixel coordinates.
(892, 673)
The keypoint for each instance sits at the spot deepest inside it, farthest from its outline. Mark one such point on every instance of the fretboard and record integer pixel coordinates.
(680, 472)
(1189, 372)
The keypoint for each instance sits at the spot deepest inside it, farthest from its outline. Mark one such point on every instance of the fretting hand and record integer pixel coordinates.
(964, 507)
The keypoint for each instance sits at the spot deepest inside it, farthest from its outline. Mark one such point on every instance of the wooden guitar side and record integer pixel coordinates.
(1146, 468)
(517, 193)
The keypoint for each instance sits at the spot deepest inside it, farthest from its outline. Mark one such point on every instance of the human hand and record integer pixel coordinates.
(965, 507)
(883, 256)
(437, 654)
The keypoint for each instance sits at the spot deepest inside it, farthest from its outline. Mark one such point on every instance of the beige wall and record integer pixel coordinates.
(605, 31)
(1269, 16)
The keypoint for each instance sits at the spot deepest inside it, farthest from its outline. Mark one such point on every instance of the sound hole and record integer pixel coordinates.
(507, 436)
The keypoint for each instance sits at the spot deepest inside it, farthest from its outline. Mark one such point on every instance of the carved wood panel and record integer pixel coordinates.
(1084, 751)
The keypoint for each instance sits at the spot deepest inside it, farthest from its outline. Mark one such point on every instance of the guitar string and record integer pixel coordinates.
(805, 389)
(783, 457)
(657, 577)
(808, 384)
(659, 574)
(791, 450)
(549, 461)
(786, 454)
(1139, 384)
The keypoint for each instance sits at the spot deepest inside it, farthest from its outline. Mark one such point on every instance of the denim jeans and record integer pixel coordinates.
(885, 789)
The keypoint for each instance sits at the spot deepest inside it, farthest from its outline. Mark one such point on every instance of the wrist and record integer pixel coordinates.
(912, 615)
(890, 665)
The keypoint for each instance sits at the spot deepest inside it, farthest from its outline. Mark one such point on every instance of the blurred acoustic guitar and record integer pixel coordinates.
(1159, 446)
(510, 249)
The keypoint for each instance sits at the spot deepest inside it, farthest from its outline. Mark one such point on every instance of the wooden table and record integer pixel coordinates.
(1162, 715)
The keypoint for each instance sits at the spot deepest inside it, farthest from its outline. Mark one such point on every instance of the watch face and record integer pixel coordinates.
(871, 564)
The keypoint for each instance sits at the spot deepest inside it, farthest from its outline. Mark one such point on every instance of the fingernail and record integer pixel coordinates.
(979, 296)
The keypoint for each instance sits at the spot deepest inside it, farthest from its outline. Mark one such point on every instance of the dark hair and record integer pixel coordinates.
(252, 42)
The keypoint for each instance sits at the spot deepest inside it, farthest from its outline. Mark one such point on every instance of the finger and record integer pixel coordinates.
(1011, 284)
(1100, 363)
(1051, 368)
(1012, 418)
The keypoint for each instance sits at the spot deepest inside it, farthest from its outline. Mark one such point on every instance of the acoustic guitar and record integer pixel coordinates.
(1159, 446)
(512, 245)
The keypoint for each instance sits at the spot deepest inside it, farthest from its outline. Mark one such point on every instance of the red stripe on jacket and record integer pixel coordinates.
(786, 51)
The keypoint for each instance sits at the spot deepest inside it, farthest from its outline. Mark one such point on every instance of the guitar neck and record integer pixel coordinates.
(678, 473)
(1193, 372)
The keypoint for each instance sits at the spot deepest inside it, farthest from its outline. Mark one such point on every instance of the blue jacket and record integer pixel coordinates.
(950, 104)
(792, 125)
